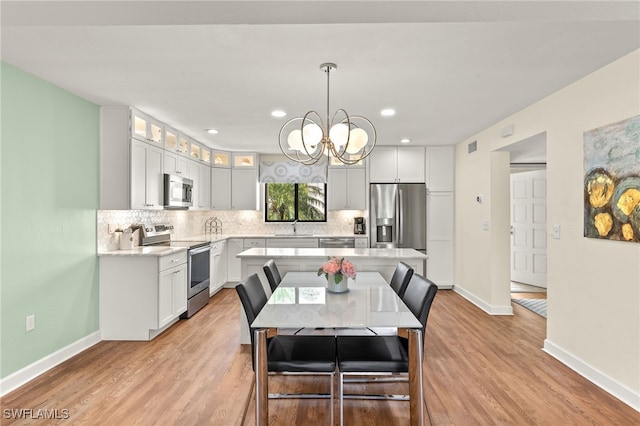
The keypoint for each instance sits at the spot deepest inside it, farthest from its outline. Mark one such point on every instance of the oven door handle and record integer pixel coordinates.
(199, 250)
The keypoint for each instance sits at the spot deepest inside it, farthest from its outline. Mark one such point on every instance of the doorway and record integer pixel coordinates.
(527, 205)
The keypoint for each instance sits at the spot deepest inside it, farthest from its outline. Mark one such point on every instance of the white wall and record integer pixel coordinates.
(593, 285)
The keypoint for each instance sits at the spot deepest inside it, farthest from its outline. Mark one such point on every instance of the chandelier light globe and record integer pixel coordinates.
(295, 140)
(349, 139)
(311, 136)
(358, 139)
(339, 134)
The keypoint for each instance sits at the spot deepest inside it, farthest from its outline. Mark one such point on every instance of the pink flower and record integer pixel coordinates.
(331, 267)
(335, 266)
(348, 269)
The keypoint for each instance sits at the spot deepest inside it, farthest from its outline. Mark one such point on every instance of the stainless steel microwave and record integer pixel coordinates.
(178, 192)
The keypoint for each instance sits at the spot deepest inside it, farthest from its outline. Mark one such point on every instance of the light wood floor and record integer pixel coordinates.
(479, 370)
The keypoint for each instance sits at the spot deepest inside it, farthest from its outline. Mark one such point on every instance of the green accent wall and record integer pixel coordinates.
(49, 154)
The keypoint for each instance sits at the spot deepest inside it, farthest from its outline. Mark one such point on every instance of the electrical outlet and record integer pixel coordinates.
(30, 322)
(485, 225)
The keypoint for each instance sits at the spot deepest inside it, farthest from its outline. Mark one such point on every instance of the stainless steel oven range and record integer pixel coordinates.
(198, 263)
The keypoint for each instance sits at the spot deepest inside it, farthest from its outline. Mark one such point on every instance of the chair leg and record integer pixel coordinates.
(341, 396)
(332, 401)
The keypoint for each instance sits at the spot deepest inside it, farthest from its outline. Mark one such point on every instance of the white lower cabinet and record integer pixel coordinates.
(172, 294)
(234, 247)
(218, 266)
(294, 242)
(140, 296)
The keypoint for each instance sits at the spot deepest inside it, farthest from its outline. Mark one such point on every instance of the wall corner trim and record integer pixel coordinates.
(608, 384)
(30, 372)
(490, 309)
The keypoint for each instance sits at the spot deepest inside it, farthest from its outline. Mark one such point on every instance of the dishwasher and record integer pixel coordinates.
(339, 242)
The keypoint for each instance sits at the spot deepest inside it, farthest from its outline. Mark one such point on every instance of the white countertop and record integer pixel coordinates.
(163, 251)
(144, 251)
(398, 253)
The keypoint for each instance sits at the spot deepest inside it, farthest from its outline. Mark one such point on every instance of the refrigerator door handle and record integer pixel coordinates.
(400, 217)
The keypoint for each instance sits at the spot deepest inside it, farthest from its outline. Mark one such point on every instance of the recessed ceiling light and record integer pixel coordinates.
(405, 140)
(388, 112)
(212, 131)
(278, 113)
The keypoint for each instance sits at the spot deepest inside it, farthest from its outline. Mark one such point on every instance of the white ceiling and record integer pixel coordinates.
(449, 68)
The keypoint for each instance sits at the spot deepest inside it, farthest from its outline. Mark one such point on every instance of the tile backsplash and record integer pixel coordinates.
(191, 223)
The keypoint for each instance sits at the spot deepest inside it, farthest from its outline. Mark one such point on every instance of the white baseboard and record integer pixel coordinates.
(30, 372)
(490, 309)
(610, 385)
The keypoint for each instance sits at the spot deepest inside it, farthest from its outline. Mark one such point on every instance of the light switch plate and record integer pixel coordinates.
(485, 225)
(556, 232)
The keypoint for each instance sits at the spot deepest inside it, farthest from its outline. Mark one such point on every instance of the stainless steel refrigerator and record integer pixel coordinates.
(398, 215)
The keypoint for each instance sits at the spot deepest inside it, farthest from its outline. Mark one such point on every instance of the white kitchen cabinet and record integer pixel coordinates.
(175, 164)
(248, 243)
(172, 294)
(183, 144)
(244, 189)
(220, 158)
(397, 164)
(146, 128)
(244, 160)
(362, 242)
(141, 296)
(440, 165)
(218, 266)
(293, 242)
(201, 176)
(146, 176)
(204, 187)
(440, 238)
(234, 247)
(220, 188)
(346, 188)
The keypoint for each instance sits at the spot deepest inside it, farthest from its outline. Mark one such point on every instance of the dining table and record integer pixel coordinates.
(302, 300)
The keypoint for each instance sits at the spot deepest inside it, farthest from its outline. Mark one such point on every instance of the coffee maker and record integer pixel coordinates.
(358, 225)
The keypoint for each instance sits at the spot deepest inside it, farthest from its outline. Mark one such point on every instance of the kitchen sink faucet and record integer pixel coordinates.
(294, 225)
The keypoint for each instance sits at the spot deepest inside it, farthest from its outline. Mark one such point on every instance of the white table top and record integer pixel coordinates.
(301, 300)
(275, 253)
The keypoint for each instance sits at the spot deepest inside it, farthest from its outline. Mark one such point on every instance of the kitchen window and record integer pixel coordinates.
(302, 202)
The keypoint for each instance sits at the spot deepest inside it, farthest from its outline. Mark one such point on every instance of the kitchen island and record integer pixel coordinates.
(379, 260)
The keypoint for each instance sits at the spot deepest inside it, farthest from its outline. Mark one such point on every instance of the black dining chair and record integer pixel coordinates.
(273, 274)
(388, 355)
(399, 282)
(401, 277)
(289, 354)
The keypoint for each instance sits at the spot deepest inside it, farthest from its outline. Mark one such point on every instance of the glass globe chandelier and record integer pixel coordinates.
(347, 138)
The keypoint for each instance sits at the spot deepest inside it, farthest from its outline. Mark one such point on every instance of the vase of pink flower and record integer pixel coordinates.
(337, 271)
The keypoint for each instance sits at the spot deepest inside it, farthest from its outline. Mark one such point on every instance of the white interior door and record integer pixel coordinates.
(529, 227)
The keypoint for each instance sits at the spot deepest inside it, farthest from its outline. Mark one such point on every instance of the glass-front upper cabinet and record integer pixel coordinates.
(205, 155)
(199, 152)
(194, 150)
(170, 139)
(221, 158)
(244, 160)
(333, 162)
(146, 128)
(183, 144)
